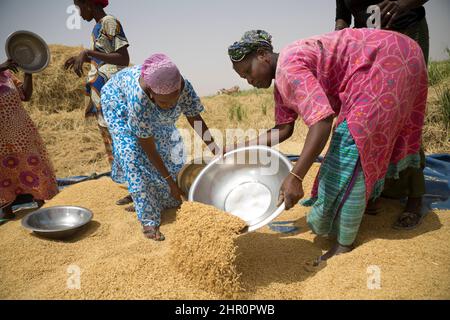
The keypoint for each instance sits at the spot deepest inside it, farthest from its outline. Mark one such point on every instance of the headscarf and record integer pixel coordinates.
(161, 74)
(101, 3)
(250, 42)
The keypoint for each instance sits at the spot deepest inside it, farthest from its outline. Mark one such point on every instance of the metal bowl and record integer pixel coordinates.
(190, 172)
(246, 183)
(29, 51)
(57, 222)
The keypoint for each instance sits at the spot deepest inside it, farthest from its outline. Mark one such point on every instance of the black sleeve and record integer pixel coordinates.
(342, 12)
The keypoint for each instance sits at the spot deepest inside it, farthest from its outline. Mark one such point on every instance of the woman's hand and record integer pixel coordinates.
(76, 63)
(9, 65)
(79, 61)
(291, 192)
(69, 63)
(390, 10)
(175, 191)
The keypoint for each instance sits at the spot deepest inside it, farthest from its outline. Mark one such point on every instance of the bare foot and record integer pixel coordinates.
(336, 250)
(130, 209)
(153, 233)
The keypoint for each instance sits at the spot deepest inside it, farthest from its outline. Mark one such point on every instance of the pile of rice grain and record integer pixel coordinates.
(203, 248)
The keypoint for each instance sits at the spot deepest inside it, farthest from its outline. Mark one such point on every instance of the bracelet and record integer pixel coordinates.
(297, 176)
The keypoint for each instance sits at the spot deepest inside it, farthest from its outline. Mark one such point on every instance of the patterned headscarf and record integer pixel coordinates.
(161, 74)
(250, 42)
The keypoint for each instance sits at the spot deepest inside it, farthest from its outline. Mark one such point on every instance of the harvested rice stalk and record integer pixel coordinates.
(203, 248)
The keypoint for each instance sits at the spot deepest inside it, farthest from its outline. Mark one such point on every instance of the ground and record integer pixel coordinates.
(117, 262)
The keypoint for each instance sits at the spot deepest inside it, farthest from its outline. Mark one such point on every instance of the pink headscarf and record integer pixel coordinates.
(161, 74)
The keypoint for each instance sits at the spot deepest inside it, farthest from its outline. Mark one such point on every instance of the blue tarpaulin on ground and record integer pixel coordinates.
(65, 182)
(437, 181)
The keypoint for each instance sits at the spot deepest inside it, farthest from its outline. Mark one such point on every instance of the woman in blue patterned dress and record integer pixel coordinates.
(141, 105)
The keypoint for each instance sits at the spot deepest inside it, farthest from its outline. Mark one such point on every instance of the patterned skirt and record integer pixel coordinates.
(341, 201)
(24, 164)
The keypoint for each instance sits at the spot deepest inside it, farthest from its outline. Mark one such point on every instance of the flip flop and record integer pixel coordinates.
(407, 215)
(373, 208)
(124, 201)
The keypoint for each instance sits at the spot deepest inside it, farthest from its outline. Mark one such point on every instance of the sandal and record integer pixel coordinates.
(373, 208)
(130, 209)
(151, 232)
(408, 221)
(124, 201)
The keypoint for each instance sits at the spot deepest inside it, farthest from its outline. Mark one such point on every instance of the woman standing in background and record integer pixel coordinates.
(108, 55)
(407, 17)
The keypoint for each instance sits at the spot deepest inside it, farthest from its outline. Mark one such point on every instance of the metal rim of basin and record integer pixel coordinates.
(26, 225)
(283, 158)
(34, 35)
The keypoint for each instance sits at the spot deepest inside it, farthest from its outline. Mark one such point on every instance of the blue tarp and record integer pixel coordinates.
(65, 182)
(437, 181)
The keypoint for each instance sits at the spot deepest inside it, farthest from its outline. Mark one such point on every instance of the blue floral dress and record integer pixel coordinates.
(131, 115)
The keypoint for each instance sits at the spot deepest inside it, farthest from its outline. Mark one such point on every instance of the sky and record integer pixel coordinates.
(196, 33)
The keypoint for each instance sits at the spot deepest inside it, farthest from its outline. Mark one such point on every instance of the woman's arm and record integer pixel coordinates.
(272, 137)
(390, 10)
(292, 190)
(149, 146)
(315, 142)
(27, 88)
(199, 126)
(119, 58)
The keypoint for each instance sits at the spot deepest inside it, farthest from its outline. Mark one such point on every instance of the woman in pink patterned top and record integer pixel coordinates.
(375, 83)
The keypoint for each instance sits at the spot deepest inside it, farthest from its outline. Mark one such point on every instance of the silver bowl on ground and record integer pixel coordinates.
(246, 183)
(29, 50)
(57, 222)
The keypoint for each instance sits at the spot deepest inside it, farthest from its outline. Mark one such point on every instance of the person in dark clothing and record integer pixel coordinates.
(407, 17)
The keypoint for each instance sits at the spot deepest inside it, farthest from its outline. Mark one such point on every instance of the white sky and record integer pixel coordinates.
(196, 33)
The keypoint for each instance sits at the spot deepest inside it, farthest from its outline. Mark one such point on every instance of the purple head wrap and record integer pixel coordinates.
(161, 74)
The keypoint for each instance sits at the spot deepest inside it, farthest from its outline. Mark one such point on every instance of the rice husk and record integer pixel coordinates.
(118, 262)
(203, 248)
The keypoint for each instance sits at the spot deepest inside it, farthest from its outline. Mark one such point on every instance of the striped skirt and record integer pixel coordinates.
(341, 201)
